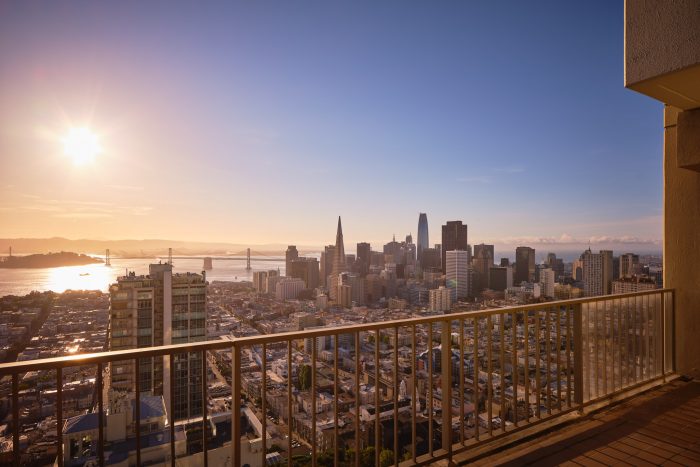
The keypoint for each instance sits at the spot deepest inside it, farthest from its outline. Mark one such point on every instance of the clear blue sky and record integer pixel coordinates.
(261, 122)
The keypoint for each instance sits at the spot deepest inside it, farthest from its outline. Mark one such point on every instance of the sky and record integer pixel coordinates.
(261, 122)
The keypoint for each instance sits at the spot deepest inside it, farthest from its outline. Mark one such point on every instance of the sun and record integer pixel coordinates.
(82, 145)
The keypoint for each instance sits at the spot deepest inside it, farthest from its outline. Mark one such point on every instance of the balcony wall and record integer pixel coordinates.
(662, 61)
(682, 247)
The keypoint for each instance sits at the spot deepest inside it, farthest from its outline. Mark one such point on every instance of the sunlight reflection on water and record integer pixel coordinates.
(99, 276)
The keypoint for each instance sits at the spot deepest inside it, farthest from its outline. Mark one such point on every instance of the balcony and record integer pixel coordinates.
(511, 373)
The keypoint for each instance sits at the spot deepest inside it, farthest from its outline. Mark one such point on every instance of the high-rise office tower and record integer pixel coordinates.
(350, 262)
(430, 260)
(364, 258)
(290, 255)
(339, 264)
(305, 269)
(547, 282)
(423, 239)
(260, 281)
(393, 252)
(592, 273)
(577, 269)
(350, 289)
(524, 264)
(409, 248)
(454, 237)
(339, 256)
(457, 275)
(606, 270)
(629, 265)
(159, 309)
(557, 265)
(482, 261)
(498, 278)
(327, 256)
(481, 250)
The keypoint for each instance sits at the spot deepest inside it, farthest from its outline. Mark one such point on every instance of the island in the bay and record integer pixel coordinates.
(48, 260)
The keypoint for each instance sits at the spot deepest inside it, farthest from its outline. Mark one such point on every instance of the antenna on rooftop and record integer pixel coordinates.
(170, 256)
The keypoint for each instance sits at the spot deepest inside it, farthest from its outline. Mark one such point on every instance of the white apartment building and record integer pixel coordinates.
(440, 299)
(457, 273)
(288, 288)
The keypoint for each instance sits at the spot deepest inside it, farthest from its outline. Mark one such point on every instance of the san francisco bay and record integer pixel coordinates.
(99, 276)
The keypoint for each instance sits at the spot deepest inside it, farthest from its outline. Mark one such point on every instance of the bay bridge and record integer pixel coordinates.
(259, 256)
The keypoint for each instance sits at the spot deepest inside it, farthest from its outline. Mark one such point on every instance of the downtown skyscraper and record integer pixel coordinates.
(339, 264)
(423, 241)
(454, 237)
(524, 265)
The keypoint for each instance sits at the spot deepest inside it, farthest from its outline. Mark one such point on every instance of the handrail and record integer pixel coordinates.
(512, 335)
(145, 352)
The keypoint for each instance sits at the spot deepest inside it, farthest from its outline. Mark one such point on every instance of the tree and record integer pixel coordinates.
(367, 457)
(304, 377)
(386, 458)
(325, 459)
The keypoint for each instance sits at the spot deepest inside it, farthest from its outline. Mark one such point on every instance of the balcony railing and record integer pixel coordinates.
(508, 369)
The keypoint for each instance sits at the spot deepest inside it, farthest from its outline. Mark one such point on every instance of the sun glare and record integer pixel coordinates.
(81, 145)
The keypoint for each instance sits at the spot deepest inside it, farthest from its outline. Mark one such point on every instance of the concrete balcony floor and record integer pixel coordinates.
(658, 427)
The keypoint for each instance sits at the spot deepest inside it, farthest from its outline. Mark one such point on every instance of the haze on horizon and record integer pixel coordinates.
(261, 123)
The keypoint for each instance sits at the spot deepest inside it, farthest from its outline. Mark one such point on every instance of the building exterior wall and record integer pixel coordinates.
(457, 277)
(547, 282)
(633, 284)
(524, 265)
(682, 248)
(288, 288)
(440, 299)
(159, 309)
(423, 235)
(606, 270)
(454, 237)
(592, 274)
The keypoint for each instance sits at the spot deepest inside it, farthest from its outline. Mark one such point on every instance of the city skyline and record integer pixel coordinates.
(207, 152)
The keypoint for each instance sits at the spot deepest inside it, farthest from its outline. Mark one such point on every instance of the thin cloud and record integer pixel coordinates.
(479, 179)
(566, 239)
(77, 209)
(509, 170)
(82, 215)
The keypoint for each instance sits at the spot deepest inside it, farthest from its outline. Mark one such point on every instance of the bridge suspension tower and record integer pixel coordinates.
(247, 260)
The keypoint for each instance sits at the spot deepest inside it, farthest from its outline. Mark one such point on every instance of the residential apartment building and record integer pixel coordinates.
(160, 308)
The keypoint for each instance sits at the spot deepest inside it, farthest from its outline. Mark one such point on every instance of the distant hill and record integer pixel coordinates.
(50, 260)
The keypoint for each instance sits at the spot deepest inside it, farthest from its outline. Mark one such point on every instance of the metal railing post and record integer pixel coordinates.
(100, 416)
(578, 356)
(205, 453)
(171, 368)
(137, 408)
(673, 330)
(446, 365)
(236, 405)
(59, 414)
